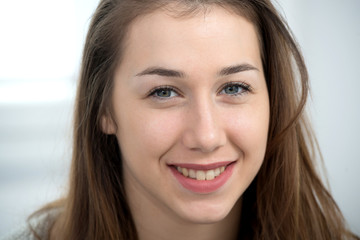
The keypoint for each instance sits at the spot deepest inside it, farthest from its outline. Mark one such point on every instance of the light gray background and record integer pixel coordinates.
(40, 49)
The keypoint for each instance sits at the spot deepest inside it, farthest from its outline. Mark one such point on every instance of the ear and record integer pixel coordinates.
(108, 125)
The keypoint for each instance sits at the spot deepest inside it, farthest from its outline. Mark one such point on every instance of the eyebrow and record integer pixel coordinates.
(161, 72)
(237, 69)
(164, 72)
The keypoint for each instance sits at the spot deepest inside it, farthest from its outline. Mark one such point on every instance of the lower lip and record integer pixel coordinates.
(203, 186)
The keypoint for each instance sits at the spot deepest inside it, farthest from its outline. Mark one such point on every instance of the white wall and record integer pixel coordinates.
(40, 48)
(329, 34)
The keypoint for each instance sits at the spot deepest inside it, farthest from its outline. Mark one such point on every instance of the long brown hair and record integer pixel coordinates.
(287, 199)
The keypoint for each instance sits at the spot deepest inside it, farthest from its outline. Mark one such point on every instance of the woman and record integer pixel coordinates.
(190, 124)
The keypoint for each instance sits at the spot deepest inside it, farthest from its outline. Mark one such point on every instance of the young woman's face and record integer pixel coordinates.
(190, 96)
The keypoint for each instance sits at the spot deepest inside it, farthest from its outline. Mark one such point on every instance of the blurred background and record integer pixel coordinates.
(40, 51)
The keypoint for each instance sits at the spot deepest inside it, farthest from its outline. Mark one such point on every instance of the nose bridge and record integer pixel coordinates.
(203, 129)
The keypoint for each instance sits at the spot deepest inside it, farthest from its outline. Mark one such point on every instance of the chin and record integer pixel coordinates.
(205, 213)
(206, 219)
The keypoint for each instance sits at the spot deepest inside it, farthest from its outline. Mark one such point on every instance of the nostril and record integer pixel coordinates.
(203, 130)
(203, 142)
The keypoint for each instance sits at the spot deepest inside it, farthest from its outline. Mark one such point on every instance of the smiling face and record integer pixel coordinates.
(191, 107)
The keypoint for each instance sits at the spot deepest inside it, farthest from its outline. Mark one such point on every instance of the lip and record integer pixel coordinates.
(202, 166)
(203, 186)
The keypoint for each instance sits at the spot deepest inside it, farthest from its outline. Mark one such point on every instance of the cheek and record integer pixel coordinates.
(148, 135)
(250, 131)
(249, 136)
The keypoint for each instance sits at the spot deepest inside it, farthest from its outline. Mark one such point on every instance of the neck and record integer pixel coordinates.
(153, 223)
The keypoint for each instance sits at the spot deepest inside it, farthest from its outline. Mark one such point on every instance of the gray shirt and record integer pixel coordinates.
(36, 228)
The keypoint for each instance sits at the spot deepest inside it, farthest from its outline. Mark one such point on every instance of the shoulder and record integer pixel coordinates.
(37, 227)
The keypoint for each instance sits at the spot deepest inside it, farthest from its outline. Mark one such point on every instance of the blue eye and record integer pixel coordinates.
(164, 92)
(235, 89)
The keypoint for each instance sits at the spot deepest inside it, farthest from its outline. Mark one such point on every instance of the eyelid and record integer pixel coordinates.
(247, 87)
(164, 87)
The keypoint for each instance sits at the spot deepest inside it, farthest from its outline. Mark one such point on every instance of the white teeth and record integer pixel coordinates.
(217, 172)
(185, 172)
(200, 174)
(210, 175)
(192, 173)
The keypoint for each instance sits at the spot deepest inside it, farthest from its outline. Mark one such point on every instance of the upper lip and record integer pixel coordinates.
(202, 166)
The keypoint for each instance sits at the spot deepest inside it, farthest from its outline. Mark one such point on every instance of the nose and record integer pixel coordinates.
(204, 131)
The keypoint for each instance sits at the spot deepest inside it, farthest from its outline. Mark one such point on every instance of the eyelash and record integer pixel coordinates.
(162, 88)
(244, 86)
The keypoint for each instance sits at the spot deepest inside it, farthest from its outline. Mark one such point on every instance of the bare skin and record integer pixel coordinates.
(189, 91)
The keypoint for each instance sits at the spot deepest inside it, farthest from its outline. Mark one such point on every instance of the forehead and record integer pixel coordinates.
(164, 38)
(211, 21)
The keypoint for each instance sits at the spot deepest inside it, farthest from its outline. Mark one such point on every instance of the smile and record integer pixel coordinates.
(201, 174)
(202, 179)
